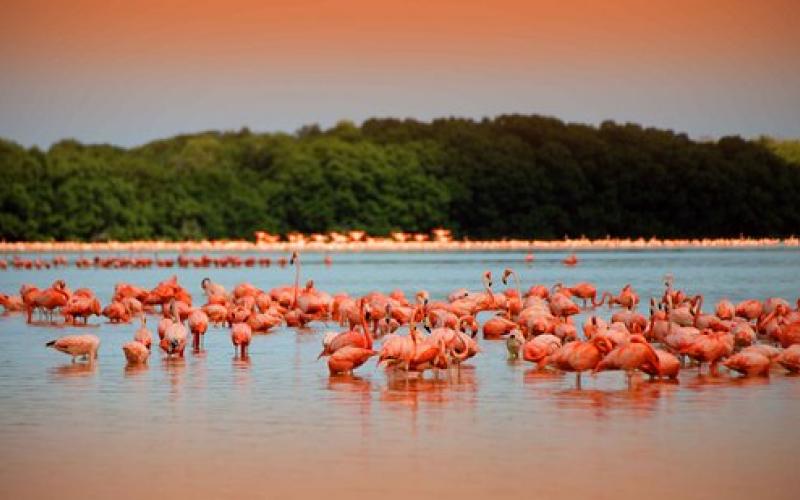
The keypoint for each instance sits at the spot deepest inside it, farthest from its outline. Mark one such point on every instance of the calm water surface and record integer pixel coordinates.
(212, 426)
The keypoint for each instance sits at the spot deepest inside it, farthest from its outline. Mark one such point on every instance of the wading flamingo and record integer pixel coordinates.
(77, 345)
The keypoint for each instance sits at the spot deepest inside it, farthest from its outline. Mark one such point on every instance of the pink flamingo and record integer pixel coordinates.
(241, 334)
(143, 335)
(77, 345)
(748, 363)
(790, 358)
(630, 357)
(198, 325)
(174, 341)
(580, 356)
(135, 352)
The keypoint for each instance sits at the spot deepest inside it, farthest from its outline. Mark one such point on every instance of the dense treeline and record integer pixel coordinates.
(512, 176)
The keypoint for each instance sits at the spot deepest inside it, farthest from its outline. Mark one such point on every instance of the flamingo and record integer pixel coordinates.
(116, 312)
(497, 327)
(241, 334)
(630, 357)
(135, 352)
(748, 363)
(174, 341)
(570, 260)
(80, 306)
(538, 349)
(627, 298)
(772, 353)
(562, 306)
(725, 309)
(52, 298)
(790, 358)
(709, 347)
(349, 357)
(143, 335)
(514, 299)
(216, 313)
(668, 366)
(11, 303)
(583, 290)
(212, 289)
(77, 345)
(198, 325)
(580, 356)
(749, 309)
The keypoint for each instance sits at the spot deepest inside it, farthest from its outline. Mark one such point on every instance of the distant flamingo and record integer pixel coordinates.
(570, 260)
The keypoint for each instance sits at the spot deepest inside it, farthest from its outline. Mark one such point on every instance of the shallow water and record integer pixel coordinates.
(212, 426)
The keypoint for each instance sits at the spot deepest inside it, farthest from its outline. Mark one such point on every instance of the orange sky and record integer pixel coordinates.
(77, 67)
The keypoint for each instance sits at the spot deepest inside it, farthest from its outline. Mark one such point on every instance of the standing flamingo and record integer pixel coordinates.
(143, 335)
(241, 334)
(630, 357)
(580, 356)
(198, 325)
(748, 363)
(135, 352)
(77, 345)
(174, 341)
(349, 357)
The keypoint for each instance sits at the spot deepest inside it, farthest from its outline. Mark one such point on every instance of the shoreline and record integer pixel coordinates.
(370, 244)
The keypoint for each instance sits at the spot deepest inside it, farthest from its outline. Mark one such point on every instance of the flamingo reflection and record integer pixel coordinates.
(135, 369)
(174, 368)
(73, 370)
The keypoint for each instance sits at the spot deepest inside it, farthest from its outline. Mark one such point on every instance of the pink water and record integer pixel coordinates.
(279, 427)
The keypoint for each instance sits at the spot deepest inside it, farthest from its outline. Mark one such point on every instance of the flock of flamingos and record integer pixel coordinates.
(422, 334)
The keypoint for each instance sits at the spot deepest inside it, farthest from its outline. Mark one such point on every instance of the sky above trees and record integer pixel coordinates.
(129, 72)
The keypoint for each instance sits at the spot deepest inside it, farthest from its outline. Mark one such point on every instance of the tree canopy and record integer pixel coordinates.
(512, 176)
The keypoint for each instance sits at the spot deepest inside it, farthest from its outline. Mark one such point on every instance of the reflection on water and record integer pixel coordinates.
(277, 424)
(135, 369)
(71, 370)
